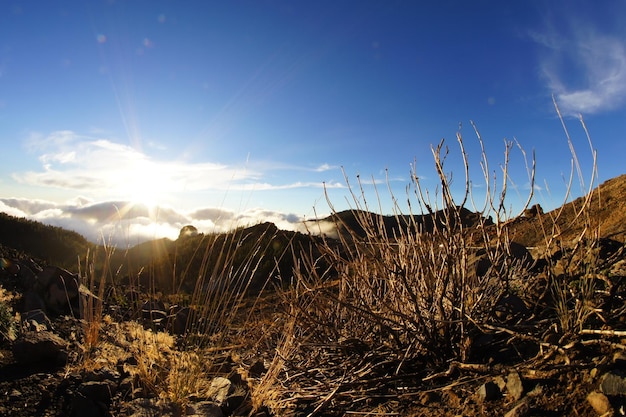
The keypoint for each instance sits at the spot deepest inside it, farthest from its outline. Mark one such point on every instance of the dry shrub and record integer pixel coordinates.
(413, 288)
(574, 265)
(380, 298)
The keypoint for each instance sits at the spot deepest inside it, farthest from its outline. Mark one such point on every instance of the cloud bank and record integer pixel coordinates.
(124, 223)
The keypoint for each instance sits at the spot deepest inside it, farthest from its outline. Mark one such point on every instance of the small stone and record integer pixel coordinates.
(514, 386)
(599, 402)
(613, 384)
(220, 389)
(488, 391)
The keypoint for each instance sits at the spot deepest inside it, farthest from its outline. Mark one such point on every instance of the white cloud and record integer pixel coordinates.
(100, 169)
(326, 167)
(10, 210)
(586, 71)
(104, 169)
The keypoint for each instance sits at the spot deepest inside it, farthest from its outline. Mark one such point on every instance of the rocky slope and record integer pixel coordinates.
(63, 352)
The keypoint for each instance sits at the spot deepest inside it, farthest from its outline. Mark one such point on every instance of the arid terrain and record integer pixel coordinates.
(520, 318)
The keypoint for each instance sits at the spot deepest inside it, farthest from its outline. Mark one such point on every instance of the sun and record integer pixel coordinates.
(145, 182)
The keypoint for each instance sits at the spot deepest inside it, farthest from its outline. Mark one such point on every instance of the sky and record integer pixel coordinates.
(127, 120)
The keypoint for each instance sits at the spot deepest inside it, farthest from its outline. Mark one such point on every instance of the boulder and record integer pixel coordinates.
(26, 270)
(98, 391)
(510, 307)
(40, 347)
(32, 301)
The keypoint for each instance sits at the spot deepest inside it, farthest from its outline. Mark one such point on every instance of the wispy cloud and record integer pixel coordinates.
(326, 167)
(585, 70)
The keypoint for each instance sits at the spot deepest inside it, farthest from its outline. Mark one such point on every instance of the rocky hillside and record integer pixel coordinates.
(607, 217)
(53, 245)
(423, 325)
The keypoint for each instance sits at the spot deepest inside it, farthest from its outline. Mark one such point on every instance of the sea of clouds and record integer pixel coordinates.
(126, 224)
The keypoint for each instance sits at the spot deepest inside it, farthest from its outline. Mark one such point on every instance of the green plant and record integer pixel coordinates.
(8, 325)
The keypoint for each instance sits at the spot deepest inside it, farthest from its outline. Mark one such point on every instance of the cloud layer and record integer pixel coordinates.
(125, 223)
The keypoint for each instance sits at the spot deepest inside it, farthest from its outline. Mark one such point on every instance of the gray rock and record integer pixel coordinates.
(613, 383)
(59, 289)
(83, 406)
(220, 389)
(27, 273)
(93, 398)
(510, 307)
(32, 301)
(142, 407)
(32, 347)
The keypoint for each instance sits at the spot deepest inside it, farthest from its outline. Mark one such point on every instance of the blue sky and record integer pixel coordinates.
(134, 118)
